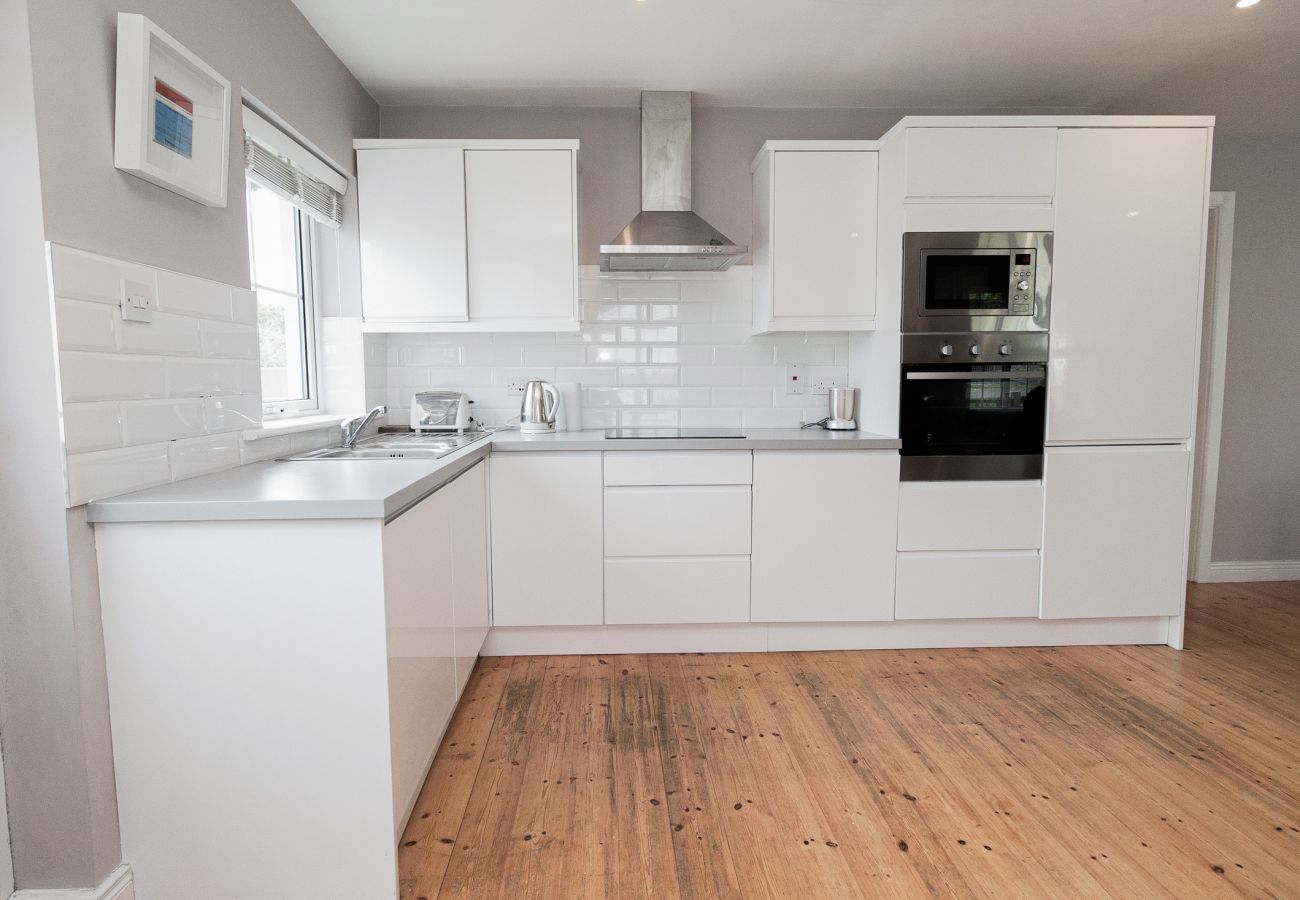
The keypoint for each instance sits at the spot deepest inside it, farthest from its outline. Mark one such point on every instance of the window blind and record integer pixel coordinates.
(279, 163)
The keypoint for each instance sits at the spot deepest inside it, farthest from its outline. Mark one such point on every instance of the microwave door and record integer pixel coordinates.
(966, 282)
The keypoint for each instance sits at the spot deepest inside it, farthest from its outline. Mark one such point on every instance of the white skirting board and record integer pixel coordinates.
(1254, 570)
(117, 886)
(760, 638)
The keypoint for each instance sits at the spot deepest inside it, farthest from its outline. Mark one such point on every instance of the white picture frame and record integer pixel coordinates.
(172, 121)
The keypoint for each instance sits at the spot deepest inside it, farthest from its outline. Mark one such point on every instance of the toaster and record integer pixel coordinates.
(439, 411)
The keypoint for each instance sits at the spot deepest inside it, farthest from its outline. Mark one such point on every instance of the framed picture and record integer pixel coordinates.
(172, 123)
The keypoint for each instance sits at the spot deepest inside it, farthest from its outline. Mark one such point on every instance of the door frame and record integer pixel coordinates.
(1209, 425)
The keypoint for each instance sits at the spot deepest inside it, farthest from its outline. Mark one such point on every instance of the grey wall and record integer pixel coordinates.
(264, 47)
(1257, 516)
(60, 185)
(609, 168)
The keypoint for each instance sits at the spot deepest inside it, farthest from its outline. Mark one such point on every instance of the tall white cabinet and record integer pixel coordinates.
(815, 236)
(1126, 284)
(468, 235)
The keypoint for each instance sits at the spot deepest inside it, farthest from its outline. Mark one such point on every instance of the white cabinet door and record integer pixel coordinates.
(981, 162)
(412, 215)
(469, 541)
(677, 590)
(547, 553)
(520, 224)
(970, 515)
(1115, 532)
(824, 238)
(825, 527)
(677, 521)
(1126, 286)
(421, 647)
(988, 585)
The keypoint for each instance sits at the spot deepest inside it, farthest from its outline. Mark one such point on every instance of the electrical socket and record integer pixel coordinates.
(823, 385)
(516, 387)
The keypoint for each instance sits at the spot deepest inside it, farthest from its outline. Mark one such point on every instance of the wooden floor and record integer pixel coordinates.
(1136, 772)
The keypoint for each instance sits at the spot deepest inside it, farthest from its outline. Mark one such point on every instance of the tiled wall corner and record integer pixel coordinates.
(147, 403)
(654, 350)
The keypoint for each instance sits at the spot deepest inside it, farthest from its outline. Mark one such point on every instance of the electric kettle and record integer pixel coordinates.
(537, 412)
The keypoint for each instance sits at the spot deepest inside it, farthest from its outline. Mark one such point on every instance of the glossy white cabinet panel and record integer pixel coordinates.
(547, 544)
(970, 515)
(677, 521)
(1115, 533)
(824, 236)
(678, 467)
(814, 253)
(418, 609)
(980, 162)
(468, 500)
(519, 207)
(836, 514)
(1126, 288)
(998, 584)
(412, 214)
(683, 590)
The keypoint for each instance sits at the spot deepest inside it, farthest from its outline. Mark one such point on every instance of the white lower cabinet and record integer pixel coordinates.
(676, 590)
(990, 585)
(472, 604)
(1115, 531)
(547, 555)
(677, 521)
(825, 526)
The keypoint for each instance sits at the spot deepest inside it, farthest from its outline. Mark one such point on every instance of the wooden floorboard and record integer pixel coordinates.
(994, 773)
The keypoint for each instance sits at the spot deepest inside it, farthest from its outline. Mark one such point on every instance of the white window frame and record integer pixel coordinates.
(305, 242)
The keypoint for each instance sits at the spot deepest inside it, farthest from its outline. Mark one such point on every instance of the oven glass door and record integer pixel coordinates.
(966, 281)
(975, 413)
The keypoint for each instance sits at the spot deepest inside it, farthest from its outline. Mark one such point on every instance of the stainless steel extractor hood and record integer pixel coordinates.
(666, 236)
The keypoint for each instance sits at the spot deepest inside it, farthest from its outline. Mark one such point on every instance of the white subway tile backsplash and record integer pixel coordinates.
(231, 340)
(199, 456)
(654, 350)
(193, 296)
(437, 355)
(105, 376)
(232, 413)
(85, 276)
(202, 377)
(151, 421)
(166, 335)
(107, 472)
(91, 426)
(84, 325)
(243, 306)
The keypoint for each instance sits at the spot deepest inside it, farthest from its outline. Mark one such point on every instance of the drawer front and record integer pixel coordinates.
(677, 521)
(686, 590)
(967, 585)
(678, 467)
(970, 515)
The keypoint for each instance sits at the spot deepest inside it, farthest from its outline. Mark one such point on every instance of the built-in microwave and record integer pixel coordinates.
(976, 281)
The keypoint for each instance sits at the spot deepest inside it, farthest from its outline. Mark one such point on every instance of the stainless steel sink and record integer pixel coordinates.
(397, 446)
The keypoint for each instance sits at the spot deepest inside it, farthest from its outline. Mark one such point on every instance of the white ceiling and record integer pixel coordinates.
(916, 54)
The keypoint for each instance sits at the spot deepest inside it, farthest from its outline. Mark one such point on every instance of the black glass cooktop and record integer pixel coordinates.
(641, 434)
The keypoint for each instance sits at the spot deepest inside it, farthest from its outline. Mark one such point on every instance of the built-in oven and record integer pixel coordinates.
(976, 281)
(973, 406)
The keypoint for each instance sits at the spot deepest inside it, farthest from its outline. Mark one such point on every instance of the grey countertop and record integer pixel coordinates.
(383, 488)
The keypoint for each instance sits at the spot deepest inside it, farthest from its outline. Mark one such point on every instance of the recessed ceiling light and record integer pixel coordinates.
(1242, 4)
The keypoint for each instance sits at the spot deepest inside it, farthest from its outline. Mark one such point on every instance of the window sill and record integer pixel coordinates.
(291, 425)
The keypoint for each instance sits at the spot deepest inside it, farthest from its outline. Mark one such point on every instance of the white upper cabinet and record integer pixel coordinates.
(1012, 163)
(1126, 287)
(412, 207)
(1115, 531)
(519, 213)
(468, 235)
(815, 236)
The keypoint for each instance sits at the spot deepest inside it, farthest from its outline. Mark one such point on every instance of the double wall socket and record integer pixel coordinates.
(823, 385)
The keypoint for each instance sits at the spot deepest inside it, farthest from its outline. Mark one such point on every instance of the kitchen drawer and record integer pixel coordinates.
(967, 585)
(682, 590)
(970, 515)
(678, 467)
(677, 521)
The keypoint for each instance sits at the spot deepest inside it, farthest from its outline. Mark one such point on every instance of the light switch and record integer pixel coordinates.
(137, 301)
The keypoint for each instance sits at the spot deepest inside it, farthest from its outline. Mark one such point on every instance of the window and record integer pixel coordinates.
(279, 238)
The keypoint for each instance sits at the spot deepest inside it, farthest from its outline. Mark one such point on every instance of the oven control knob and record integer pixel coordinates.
(945, 350)
(976, 349)
(1005, 349)
(1023, 285)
